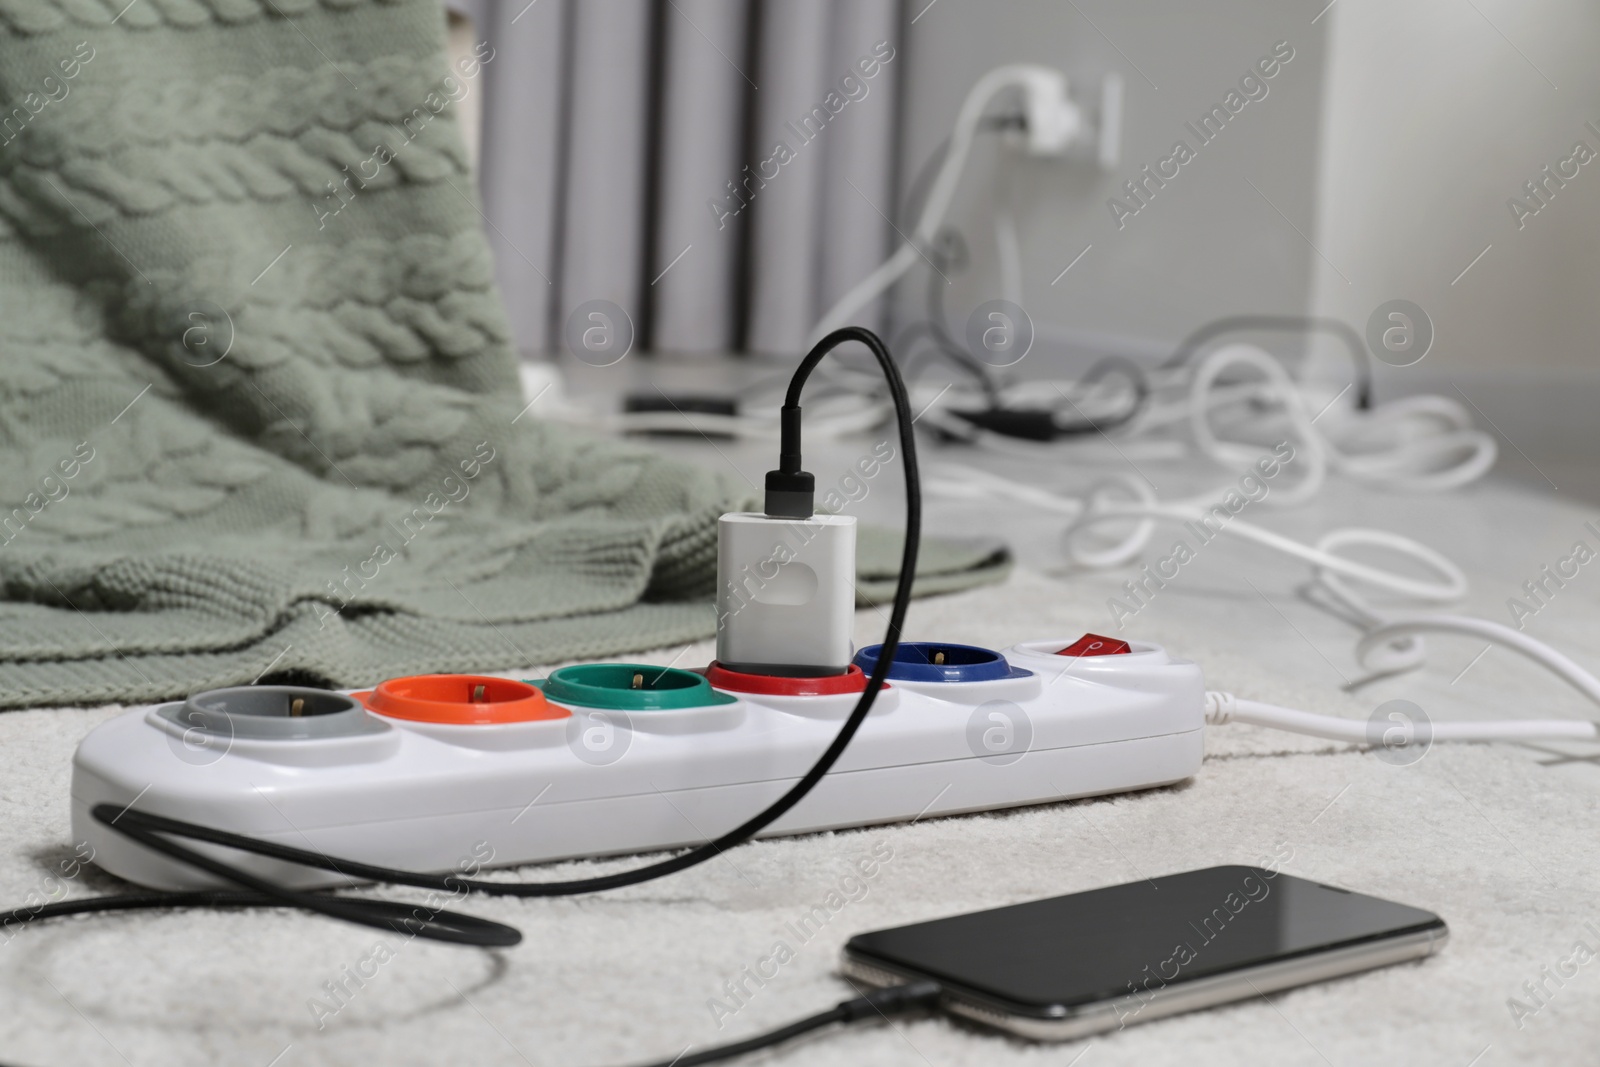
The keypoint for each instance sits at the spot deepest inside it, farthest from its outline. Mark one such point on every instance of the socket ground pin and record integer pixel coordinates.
(478, 694)
(297, 707)
(638, 681)
(938, 658)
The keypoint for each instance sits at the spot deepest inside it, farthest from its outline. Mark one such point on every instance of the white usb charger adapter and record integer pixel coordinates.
(785, 593)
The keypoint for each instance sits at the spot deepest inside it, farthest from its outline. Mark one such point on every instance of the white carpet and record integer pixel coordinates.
(1499, 844)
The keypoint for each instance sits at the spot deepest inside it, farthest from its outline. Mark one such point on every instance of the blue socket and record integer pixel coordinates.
(931, 661)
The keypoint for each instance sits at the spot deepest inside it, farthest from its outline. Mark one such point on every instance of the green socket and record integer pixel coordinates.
(630, 687)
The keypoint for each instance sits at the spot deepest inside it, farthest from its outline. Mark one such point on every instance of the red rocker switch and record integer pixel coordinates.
(1095, 645)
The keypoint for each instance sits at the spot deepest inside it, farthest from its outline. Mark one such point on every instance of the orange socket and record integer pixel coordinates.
(460, 700)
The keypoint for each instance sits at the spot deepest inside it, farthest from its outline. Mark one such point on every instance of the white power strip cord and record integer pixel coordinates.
(1222, 708)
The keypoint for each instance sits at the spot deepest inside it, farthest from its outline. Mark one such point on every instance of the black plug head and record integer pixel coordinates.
(791, 494)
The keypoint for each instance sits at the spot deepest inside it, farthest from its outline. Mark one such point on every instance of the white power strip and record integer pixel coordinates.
(332, 775)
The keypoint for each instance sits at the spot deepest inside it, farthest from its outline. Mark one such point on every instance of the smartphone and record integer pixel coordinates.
(1085, 963)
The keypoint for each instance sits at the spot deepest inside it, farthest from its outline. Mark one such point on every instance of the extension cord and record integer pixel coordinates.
(442, 771)
(298, 734)
(626, 758)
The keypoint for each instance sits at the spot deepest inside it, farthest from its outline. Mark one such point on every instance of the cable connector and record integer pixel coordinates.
(1054, 122)
(879, 1004)
(791, 492)
(895, 1000)
(1220, 707)
(1054, 119)
(790, 495)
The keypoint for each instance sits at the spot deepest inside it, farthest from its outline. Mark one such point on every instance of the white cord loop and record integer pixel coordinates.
(1369, 649)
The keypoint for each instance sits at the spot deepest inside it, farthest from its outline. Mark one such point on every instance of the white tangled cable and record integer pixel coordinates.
(1420, 443)
(1411, 444)
(1390, 644)
(1410, 465)
(1145, 510)
(1425, 443)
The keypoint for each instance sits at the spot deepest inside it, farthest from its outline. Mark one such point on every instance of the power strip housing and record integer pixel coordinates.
(588, 779)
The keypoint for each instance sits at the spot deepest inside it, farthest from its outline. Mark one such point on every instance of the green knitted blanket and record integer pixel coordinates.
(259, 416)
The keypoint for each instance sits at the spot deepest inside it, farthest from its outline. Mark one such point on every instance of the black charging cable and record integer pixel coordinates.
(157, 832)
(877, 1004)
(880, 1003)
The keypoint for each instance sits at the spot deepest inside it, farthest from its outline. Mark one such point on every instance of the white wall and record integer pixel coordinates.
(1207, 244)
(1437, 112)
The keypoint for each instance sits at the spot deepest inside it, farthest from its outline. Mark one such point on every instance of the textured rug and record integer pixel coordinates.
(1497, 842)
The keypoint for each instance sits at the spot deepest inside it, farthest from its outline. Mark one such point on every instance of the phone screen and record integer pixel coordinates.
(1087, 947)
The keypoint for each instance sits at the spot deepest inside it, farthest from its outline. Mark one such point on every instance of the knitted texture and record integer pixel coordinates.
(259, 415)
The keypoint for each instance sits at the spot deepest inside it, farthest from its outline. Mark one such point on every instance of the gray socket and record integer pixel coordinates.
(268, 712)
